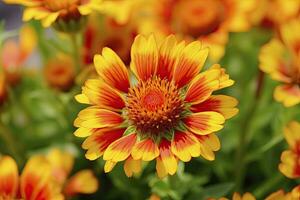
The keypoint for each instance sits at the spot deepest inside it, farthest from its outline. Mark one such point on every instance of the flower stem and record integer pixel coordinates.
(267, 186)
(10, 143)
(76, 51)
(240, 162)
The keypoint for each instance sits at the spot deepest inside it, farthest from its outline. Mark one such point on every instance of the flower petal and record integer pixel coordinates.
(83, 182)
(112, 70)
(132, 166)
(204, 123)
(100, 139)
(208, 144)
(144, 57)
(289, 95)
(166, 163)
(189, 63)
(36, 180)
(95, 117)
(202, 86)
(290, 164)
(168, 53)
(109, 165)
(120, 149)
(9, 177)
(291, 133)
(224, 79)
(185, 146)
(145, 150)
(222, 104)
(101, 94)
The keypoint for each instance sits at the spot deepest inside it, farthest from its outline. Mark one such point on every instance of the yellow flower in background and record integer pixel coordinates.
(165, 112)
(82, 182)
(290, 159)
(281, 59)
(237, 196)
(281, 195)
(263, 13)
(35, 182)
(60, 72)
(14, 53)
(210, 21)
(48, 11)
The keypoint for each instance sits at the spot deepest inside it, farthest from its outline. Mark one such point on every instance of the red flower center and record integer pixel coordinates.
(154, 106)
(198, 17)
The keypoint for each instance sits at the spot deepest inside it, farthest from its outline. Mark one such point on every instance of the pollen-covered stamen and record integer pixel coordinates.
(154, 106)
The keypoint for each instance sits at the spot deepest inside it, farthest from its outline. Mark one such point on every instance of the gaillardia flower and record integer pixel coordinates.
(281, 195)
(290, 159)
(164, 111)
(82, 182)
(35, 182)
(49, 11)
(210, 21)
(237, 196)
(280, 59)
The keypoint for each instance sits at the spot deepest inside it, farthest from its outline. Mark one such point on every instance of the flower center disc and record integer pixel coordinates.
(154, 106)
(56, 5)
(198, 17)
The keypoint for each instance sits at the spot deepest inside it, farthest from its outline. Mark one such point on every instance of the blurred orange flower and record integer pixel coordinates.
(169, 114)
(36, 181)
(82, 182)
(210, 21)
(48, 11)
(60, 72)
(3, 90)
(14, 54)
(281, 59)
(107, 33)
(263, 14)
(290, 159)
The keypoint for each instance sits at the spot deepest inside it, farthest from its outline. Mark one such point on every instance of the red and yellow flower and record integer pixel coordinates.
(49, 11)
(35, 182)
(281, 195)
(207, 20)
(82, 182)
(281, 59)
(237, 196)
(163, 110)
(290, 159)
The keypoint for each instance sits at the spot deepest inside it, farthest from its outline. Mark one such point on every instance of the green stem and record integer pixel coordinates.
(240, 162)
(10, 143)
(75, 50)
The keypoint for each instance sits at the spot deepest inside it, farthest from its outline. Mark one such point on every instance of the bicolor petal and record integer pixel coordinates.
(144, 57)
(120, 149)
(202, 86)
(222, 104)
(145, 150)
(204, 123)
(208, 144)
(112, 70)
(189, 63)
(185, 146)
(132, 166)
(9, 177)
(289, 95)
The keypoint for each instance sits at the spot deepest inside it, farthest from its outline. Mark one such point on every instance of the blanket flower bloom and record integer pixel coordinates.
(280, 59)
(237, 196)
(281, 195)
(290, 159)
(165, 112)
(50, 11)
(210, 21)
(35, 182)
(82, 182)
